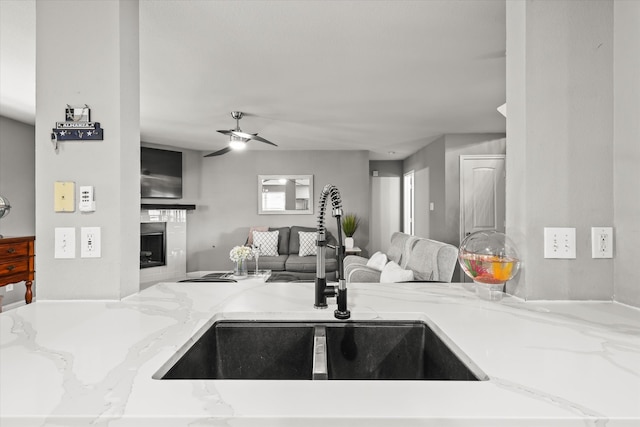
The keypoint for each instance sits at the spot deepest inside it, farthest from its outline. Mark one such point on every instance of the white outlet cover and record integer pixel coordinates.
(602, 242)
(560, 242)
(90, 242)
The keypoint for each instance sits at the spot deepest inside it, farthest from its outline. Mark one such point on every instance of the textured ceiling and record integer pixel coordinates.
(383, 76)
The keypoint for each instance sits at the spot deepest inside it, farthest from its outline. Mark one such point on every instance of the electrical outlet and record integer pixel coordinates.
(90, 242)
(65, 242)
(9, 287)
(560, 243)
(601, 242)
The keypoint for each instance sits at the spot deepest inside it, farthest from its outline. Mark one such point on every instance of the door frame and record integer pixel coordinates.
(408, 198)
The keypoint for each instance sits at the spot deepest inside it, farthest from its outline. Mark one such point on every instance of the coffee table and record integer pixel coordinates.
(226, 276)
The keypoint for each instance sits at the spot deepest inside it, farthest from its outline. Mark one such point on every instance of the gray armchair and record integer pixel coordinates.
(429, 260)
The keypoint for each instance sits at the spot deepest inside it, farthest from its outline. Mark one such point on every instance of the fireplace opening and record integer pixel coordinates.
(153, 244)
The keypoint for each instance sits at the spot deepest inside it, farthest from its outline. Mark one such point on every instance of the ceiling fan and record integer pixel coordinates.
(237, 138)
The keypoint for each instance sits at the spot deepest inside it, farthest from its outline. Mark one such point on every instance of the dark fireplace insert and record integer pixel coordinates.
(153, 244)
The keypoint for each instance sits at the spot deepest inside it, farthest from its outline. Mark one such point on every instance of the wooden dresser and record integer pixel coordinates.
(17, 263)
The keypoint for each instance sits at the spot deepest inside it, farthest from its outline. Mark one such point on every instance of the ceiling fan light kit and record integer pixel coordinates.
(237, 143)
(237, 138)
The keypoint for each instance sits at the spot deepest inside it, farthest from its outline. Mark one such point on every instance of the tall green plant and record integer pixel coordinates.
(350, 224)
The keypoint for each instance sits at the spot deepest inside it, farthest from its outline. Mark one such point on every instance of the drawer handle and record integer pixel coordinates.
(11, 250)
(11, 267)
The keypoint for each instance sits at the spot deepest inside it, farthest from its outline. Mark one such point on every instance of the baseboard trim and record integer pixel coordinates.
(14, 305)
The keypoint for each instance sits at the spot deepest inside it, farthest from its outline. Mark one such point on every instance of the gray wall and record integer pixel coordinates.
(455, 146)
(109, 85)
(386, 168)
(559, 145)
(429, 183)
(227, 199)
(572, 156)
(626, 150)
(17, 183)
(437, 180)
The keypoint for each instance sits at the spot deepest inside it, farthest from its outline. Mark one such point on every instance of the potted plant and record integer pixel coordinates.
(349, 226)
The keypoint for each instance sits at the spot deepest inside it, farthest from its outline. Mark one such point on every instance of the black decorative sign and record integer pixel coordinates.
(77, 126)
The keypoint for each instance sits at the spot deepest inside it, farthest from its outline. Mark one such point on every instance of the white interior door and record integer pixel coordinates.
(482, 194)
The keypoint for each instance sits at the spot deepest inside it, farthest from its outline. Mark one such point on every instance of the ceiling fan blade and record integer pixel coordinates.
(241, 134)
(225, 132)
(219, 152)
(261, 139)
(251, 136)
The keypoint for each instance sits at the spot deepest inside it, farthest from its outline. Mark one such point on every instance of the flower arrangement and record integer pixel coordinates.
(240, 253)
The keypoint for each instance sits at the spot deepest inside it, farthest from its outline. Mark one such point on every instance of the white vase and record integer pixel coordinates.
(348, 242)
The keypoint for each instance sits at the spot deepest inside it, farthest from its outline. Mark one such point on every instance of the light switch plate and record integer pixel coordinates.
(64, 193)
(559, 243)
(65, 242)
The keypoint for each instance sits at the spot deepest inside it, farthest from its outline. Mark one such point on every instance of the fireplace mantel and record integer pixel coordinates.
(167, 206)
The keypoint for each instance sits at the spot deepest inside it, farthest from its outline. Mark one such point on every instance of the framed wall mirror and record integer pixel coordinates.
(285, 194)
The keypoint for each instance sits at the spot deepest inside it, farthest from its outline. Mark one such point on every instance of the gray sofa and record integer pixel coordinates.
(429, 260)
(288, 265)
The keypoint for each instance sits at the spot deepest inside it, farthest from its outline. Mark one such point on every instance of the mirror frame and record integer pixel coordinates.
(308, 211)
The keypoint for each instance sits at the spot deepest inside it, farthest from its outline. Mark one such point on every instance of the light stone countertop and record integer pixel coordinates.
(73, 363)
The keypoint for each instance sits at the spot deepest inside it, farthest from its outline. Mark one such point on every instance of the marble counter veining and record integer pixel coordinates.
(71, 363)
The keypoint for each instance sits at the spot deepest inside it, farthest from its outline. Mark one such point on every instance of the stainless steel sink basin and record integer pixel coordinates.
(331, 350)
(391, 351)
(248, 350)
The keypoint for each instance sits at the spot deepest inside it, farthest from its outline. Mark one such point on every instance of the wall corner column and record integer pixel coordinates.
(87, 53)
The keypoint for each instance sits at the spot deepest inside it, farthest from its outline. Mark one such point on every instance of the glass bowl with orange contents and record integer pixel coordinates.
(490, 259)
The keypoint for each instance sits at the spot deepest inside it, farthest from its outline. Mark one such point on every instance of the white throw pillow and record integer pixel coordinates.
(307, 243)
(377, 261)
(393, 273)
(267, 241)
(252, 230)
